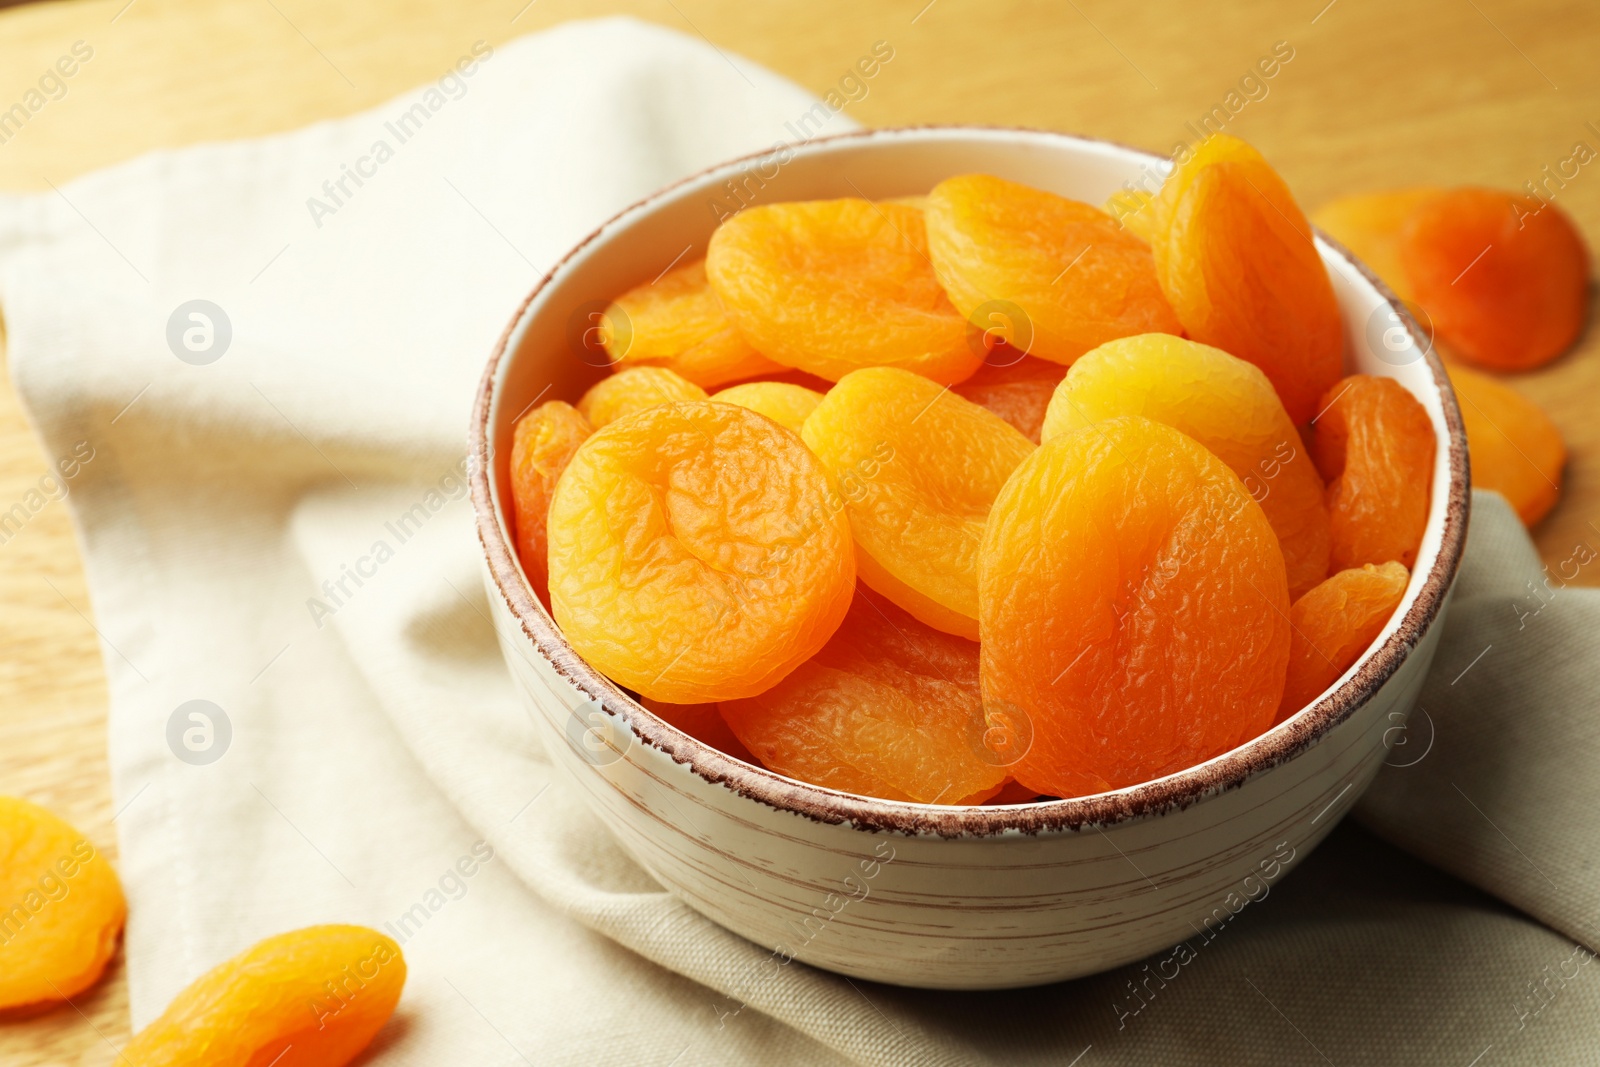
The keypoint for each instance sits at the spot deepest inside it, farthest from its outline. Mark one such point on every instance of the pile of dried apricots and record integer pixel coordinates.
(986, 495)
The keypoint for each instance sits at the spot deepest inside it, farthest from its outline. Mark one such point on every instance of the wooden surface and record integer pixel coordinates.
(1455, 91)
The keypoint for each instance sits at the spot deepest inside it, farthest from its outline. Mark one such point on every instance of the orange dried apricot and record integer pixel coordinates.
(889, 708)
(1374, 445)
(1133, 605)
(542, 445)
(1225, 404)
(1334, 624)
(703, 722)
(1015, 387)
(1078, 277)
(635, 389)
(61, 908)
(1516, 450)
(1505, 277)
(1369, 226)
(311, 998)
(918, 467)
(785, 404)
(829, 286)
(676, 322)
(1236, 260)
(698, 552)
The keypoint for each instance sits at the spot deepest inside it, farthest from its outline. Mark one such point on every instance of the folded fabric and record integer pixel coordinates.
(256, 361)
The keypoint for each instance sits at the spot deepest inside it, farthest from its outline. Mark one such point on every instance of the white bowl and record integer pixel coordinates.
(942, 897)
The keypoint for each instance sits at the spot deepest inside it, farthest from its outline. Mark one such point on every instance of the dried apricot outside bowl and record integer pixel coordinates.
(935, 895)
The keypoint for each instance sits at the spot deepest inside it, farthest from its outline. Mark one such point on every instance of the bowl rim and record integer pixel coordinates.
(1278, 745)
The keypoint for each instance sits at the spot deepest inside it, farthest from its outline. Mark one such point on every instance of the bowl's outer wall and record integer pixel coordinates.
(932, 910)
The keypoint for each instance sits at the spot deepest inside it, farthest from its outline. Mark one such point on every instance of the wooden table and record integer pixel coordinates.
(1434, 91)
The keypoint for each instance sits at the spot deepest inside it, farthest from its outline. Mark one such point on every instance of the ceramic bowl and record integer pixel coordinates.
(941, 897)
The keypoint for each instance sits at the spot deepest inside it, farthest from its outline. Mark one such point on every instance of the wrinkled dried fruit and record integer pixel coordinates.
(703, 722)
(676, 322)
(1369, 226)
(889, 708)
(1374, 445)
(1225, 404)
(1015, 387)
(1334, 624)
(785, 404)
(635, 389)
(1505, 277)
(311, 998)
(542, 446)
(1236, 260)
(1133, 606)
(61, 908)
(1516, 450)
(698, 552)
(1078, 277)
(918, 468)
(829, 286)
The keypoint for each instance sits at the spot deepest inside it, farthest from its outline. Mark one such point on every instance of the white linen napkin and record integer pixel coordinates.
(357, 754)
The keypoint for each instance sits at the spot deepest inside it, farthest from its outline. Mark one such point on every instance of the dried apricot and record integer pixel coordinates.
(63, 908)
(1516, 450)
(1078, 277)
(676, 322)
(311, 998)
(541, 447)
(1504, 277)
(785, 404)
(889, 708)
(1225, 404)
(1369, 226)
(829, 286)
(1374, 445)
(917, 467)
(1237, 262)
(1334, 624)
(635, 389)
(1133, 605)
(1015, 387)
(698, 552)
(1135, 210)
(703, 722)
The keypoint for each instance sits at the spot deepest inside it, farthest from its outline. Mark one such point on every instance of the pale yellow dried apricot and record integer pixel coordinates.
(829, 286)
(1237, 261)
(676, 322)
(542, 445)
(1228, 406)
(917, 467)
(311, 998)
(785, 404)
(61, 908)
(1334, 624)
(635, 389)
(1133, 608)
(889, 708)
(698, 552)
(1078, 277)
